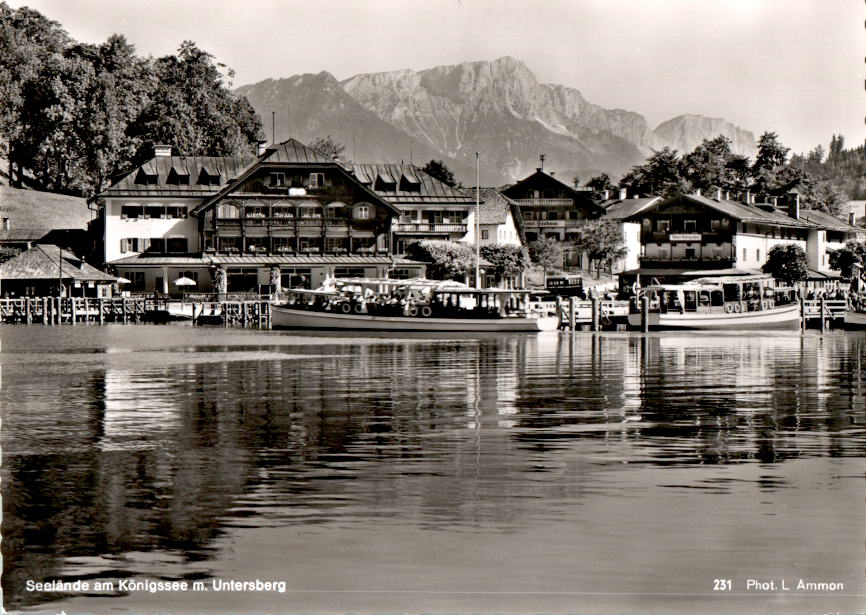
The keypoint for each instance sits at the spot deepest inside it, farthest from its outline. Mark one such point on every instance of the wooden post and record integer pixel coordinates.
(225, 312)
(29, 315)
(572, 313)
(644, 314)
(559, 312)
(260, 307)
(100, 308)
(124, 310)
(44, 310)
(73, 309)
(823, 307)
(595, 309)
(58, 313)
(802, 312)
(244, 305)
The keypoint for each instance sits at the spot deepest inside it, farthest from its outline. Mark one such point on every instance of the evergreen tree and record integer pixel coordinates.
(437, 169)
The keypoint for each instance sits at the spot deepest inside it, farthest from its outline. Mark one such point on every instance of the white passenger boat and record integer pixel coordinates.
(732, 303)
(408, 305)
(855, 319)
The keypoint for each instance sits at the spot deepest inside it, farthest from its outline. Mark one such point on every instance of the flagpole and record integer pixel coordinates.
(477, 221)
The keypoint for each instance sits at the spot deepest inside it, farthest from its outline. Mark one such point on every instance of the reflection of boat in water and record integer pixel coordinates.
(733, 302)
(408, 305)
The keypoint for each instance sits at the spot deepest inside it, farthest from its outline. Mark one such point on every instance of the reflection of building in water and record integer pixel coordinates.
(764, 397)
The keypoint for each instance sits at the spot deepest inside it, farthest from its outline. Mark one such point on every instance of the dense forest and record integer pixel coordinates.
(74, 115)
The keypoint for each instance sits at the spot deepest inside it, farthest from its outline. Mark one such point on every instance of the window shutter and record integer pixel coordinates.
(123, 245)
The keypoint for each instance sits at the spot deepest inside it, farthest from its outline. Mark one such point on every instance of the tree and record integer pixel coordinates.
(787, 262)
(448, 260)
(193, 109)
(437, 169)
(844, 259)
(508, 261)
(659, 175)
(547, 253)
(771, 158)
(7, 254)
(600, 183)
(603, 241)
(329, 146)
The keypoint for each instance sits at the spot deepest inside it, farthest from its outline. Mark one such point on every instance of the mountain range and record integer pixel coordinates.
(497, 108)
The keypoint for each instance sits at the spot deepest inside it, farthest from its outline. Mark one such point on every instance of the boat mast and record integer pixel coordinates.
(477, 221)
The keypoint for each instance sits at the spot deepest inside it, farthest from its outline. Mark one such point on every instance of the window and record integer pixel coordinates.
(690, 253)
(744, 254)
(311, 212)
(254, 211)
(177, 244)
(157, 244)
(663, 226)
(690, 225)
(317, 180)
(177, 212)
(229, 210)
(294, 277)
(5, 224)
(362, 212)
(278, 179)
(136, 280)
(145, 178)
(402, 274)
(281, 244)
(335, 244)
(131, 211)
(178, 178)
(154, 212)
(228, 243)
(284, 212)
(758, 255)
(485, 234)
(192, 275)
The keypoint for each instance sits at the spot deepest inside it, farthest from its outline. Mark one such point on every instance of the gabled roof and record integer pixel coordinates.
(290, 154)
(48, 262)
(625, 208)
(828, 221)
(226, 167)
(495, 208)
(429, 189)
(735, 210)
(293, 151)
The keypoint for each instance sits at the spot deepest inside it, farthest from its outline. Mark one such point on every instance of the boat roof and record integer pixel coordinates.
(731, 279)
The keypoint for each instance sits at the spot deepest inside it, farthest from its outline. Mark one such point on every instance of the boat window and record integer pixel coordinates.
(732, 292)
(716, 298)
(690, 298)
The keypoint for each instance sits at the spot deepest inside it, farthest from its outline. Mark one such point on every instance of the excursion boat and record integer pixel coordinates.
(855, 319)
(408, 305)
(719, 303)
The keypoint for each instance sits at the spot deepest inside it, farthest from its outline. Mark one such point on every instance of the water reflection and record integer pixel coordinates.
(131, 454)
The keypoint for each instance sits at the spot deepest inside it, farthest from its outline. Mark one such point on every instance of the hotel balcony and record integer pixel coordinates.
(545, 202)
(425, 227)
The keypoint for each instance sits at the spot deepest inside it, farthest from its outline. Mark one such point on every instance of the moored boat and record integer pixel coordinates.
(732, 303)
(408, 305)
(855, 319)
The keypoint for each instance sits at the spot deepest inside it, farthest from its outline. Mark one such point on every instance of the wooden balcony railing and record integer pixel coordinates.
(425, 227)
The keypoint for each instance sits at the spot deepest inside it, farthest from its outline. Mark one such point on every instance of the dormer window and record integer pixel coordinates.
(146, 178)
(362, 211)
(385, 184)
(409, 184)
(178, 177)
(208, 178)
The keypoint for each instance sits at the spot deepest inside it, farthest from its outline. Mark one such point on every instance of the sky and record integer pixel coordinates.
(794, 67)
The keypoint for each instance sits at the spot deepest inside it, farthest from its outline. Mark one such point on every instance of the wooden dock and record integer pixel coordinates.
(82, 310)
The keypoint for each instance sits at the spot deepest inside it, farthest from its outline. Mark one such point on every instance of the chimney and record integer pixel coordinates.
(852, 219)
(261, 146)
(605, 195)
(775, 201)
(161, 150)
(794, 205)
(697, 192)
(718, 194)
(748, 197)
(727, 195)
(623, 194)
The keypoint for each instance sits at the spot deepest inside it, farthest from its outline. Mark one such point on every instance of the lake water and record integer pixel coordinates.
(579, 473)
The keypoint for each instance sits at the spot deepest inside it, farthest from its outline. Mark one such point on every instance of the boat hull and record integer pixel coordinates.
(785, 317)
(282, 317)
(855, 319)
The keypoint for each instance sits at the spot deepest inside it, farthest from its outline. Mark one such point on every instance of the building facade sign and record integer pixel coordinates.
(685, 236)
